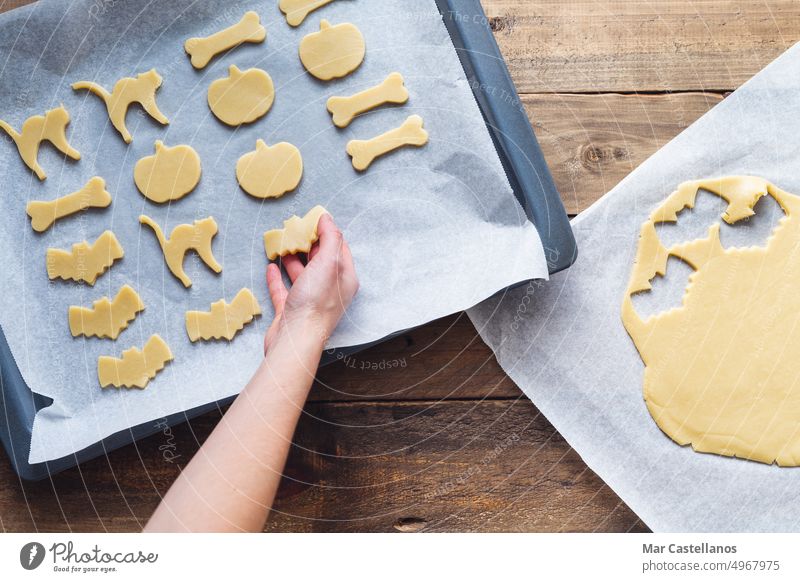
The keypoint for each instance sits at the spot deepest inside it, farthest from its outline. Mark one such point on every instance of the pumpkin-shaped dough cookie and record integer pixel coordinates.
(242, 97)
(334, 51)
(169, 174)
(270, 171)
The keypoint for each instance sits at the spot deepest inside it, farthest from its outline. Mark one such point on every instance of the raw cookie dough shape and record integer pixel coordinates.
(52, 127)
(297, 10)
(136, 367)
(186, 237)
(225, 319)
(721, 369)
(344, 109)
(85, 262)
(169, 174)
(364, 152)
(334, 51)
(126, 92)
(106, 318)
(297, 235)
(202, 50)
(242, 96)
(92, 195)
(270, 171)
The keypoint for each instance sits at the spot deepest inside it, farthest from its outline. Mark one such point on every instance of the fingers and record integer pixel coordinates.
(293, 265)
(330, 237)
(277, 290)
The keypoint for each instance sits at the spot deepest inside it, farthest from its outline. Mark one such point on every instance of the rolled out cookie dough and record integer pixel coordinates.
(242, 96)
(297, 10)
(270, 171)
(169, 174)
(136, 367)
(334, 51)
(225, 319)
(296, 236)
(106, 318)
(248, 29)
(92, 195)
(344, 109)
(85, 262)
(721, 370)
(364, 152)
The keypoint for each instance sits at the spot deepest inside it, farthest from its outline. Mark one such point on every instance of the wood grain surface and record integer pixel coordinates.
(425, 432)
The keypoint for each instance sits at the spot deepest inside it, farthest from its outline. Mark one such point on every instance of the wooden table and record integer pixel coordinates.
(425, 432)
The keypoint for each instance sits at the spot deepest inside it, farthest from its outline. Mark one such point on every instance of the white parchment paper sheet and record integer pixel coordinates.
(426, 226)
(564, 344)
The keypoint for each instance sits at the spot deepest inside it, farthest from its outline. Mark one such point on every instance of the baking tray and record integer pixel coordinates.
(527, 173)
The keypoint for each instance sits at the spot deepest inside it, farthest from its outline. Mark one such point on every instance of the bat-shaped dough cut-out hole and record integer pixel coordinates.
(270, 171)
(225, 319)
(364, 152)
(248, 29)
(666, 291)
(169, 174)
(334, 51)
(297, 235)
(186, 237)
(106, 318)
(84, 262)
(297, 10)
(92, 195)
(52, 127)
(345, 109)
(126, 92)
(242, 96)
(136, 367)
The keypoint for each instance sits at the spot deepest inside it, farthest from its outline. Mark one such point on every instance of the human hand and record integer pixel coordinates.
(321, 290)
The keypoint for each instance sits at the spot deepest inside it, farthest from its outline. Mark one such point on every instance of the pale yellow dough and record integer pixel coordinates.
(202, 50)
(297, 10)
(364, 152)
(270, 171)
(126, 92)
(721, 369)
(225, 319)
(106, 318)
(92, 195)
(85, 262)
(334, 51)
(186, 237)
(242, 96)
(170, 174)
(52, 127)
(297, 235)
(344, 109)
(136, 367)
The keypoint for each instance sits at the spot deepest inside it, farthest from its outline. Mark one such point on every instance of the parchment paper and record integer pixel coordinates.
(426, 226)
(564, 344)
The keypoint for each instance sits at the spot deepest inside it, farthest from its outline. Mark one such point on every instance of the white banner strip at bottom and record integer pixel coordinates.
(355, 557)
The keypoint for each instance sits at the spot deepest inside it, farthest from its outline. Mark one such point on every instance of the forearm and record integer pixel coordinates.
(231, 482)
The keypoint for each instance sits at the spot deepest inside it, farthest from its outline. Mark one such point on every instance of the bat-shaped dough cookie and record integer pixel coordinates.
(225, 319)
(84, 262)
(106, 318)
(136, 367)
(296, 236)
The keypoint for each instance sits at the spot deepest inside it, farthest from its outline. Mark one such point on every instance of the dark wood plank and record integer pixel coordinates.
(433, 466)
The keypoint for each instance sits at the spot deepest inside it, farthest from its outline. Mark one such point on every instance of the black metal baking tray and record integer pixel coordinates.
(527, 173)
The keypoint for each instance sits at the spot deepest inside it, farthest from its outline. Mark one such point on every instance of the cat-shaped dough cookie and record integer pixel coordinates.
(141, 90)
(186, 237)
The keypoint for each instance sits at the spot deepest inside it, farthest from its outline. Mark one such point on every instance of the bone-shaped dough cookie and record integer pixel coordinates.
(225, 319)
(182, 239)
(364, 152)
(136, 367)
(106, 318)
(248, 29)
(297, 10)
(344, 109)
(52, 127)
(92, 195)
(85, 262)
(127, 91)
(296, 236)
